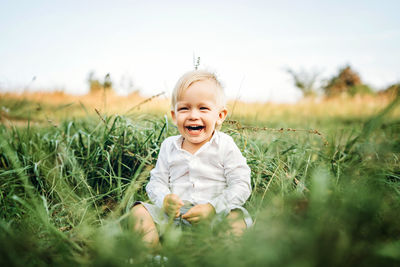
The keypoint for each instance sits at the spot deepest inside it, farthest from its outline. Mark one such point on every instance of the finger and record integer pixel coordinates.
(188, 214)
(193, 219)
(171, 210)
(173, 207)
(193, 212)
(176, 203)
(171, 200)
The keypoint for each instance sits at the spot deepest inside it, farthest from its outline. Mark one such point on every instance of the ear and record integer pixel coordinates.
(173, 115)
(222, 116)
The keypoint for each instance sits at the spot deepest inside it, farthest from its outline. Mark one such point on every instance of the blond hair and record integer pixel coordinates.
(191, 77)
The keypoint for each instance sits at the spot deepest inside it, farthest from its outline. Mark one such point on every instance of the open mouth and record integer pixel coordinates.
(195, 128)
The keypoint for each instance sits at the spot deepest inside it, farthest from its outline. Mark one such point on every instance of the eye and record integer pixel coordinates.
(182, 108)
(204, 108)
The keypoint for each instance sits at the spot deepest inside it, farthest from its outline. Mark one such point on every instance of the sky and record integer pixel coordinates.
(148, 45)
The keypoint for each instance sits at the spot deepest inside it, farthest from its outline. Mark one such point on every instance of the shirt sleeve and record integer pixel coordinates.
(237, 174)
(158, 186)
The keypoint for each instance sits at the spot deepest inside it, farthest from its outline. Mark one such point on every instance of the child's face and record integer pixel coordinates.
(196, 113)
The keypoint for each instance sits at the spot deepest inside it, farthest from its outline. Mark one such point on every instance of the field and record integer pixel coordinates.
(325, 178)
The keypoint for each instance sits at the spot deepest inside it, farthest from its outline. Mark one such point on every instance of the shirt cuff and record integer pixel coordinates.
(160, 201)
(219, 204)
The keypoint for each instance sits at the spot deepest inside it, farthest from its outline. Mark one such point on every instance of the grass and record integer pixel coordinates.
(326, 185)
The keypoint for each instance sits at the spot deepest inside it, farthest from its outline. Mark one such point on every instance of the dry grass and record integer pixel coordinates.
(343, 106)
(110, 103)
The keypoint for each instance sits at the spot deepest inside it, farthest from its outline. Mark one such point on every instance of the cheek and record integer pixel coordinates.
(212, 119)
(216, 116)
(181, 121)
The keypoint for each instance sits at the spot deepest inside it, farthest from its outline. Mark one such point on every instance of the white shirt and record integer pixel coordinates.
(217, 173)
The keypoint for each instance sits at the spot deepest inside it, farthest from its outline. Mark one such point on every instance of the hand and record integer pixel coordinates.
(199, 213)
(171, 205)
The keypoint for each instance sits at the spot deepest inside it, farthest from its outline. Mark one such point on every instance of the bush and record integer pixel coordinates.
(392, 90)
(346, 82)
(305, 81)
(361, 89)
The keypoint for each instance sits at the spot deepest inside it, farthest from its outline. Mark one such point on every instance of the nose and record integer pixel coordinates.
(194, 114)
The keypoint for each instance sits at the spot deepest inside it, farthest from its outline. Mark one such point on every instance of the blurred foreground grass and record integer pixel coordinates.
(68, 177)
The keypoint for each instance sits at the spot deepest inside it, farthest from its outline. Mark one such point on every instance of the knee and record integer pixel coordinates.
(139, 211)
(140, 214)
(236, 222)
(144, 224)
(235, 215)
(140, 217)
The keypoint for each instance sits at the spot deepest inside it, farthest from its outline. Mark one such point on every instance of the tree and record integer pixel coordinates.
(346, 82)
(305, 81)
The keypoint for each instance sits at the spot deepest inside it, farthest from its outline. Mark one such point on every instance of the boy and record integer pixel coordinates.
(201, 167)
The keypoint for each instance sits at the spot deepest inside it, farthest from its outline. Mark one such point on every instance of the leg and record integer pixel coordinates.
(236, 222)
(143, 223)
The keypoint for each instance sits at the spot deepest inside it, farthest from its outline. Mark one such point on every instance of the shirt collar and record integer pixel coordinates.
(216, 137)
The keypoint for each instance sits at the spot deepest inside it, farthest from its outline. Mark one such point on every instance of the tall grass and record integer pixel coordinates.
(66, 191)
